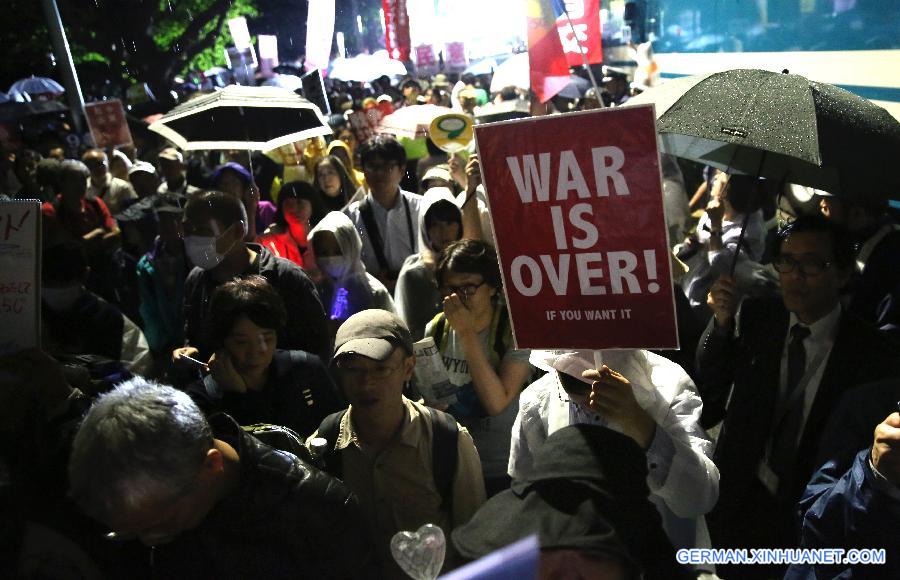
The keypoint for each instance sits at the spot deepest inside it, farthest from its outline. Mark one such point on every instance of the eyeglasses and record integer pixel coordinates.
(465, 291)
(809, 267)
(359, 373)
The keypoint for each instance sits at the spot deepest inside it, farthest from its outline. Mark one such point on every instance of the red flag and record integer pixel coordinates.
(396, 29)
(549, 69)
(584, 31)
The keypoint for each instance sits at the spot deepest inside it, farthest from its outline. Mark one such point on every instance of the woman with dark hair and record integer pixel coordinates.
(299, 210)
(334, 183)
(248, 377)
(474, 336)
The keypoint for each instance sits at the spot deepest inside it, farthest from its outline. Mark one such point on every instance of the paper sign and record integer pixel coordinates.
(425, 56)
(452, 132)
(314, 90)
(456, 55)
(518, 561)
(240, 34)
(20, 275)
(577, 206)
(106, 120)
(268, 53)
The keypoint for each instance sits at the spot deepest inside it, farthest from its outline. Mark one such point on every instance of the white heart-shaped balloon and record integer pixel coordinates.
(421, 553)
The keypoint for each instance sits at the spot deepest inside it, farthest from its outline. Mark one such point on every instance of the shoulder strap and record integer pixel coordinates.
(444, 441)
(437, 331)
(368, 218)
(409, 225)
(329, 430)
(499, 329)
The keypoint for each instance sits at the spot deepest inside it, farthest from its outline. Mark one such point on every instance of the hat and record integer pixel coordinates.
(440, 80)
(171, 154)
(612, 73)
(122, 157)
(438, 172)
(587, 492)
(141, 167)
(169, 203)
(233, 166)
(373, 334)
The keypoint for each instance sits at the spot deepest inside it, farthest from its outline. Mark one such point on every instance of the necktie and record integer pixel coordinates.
(784, 438)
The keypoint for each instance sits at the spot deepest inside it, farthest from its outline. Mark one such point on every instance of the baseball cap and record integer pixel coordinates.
(373, 334)
(171, 154)
(141, 166)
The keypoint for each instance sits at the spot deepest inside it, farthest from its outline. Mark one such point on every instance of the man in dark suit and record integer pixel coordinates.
(774, 372)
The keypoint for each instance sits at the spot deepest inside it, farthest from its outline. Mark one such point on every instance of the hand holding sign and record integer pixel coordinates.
(613, 397)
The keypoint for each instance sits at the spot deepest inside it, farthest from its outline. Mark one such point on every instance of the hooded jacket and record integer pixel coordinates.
(358, 177)
(362, 290)
(416, 295)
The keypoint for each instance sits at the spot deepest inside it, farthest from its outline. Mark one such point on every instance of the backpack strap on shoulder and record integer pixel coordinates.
(330, 429)
(368, 218)
(444, 442)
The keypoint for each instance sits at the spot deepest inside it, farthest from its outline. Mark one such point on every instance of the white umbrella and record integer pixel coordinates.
(239, 117)
(366, 67)
(514, 72)
(36, 86)
(289, 82)
(411, 121)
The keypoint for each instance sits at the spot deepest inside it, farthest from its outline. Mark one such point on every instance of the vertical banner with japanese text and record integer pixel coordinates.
(319, 34)
(20, 275)
(396, 29)
(584, 31)
(577, 208)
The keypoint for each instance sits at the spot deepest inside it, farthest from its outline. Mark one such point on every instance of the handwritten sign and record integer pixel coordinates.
(577, 207)
(107, 122)
(20, 273)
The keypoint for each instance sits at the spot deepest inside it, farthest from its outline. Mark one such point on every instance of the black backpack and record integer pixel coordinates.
(444, 440)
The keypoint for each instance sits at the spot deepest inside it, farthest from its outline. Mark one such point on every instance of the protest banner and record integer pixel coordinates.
(20, 275)
(577, 207)
(579, 32)
(314, 90)
(106, 120)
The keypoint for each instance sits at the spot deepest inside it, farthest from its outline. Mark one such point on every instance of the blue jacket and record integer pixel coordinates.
(850, 508)
(162, 314)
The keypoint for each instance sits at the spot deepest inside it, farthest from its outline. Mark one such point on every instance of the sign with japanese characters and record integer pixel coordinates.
(20, 275)
(106, 120)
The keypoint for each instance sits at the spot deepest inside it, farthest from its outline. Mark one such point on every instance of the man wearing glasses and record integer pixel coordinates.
(385, 447)
(387, 216)
(774, 370)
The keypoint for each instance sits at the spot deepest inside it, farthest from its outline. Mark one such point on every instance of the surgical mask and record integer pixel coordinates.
(335, 266)
(202, 250)
(59, 299)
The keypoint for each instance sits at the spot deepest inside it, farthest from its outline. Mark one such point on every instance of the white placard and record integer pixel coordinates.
(20, 275)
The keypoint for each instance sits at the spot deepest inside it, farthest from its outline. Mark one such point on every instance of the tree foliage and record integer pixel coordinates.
(150, 41)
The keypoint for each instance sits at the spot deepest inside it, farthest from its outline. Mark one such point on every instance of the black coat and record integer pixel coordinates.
(752, 362)
(287, 519)
(298, 395)
(305, 325)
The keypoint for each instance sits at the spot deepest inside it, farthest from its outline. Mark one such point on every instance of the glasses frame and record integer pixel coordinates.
(787, 264)
(465, 291)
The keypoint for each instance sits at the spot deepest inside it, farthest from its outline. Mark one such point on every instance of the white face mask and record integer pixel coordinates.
(335, 266)
(202, 251)
(59, 299)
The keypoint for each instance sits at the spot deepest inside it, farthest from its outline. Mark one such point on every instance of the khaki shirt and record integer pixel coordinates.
(396, 487)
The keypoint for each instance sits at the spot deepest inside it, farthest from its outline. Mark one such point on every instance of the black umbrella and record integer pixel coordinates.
(238, 117)
(780, 126)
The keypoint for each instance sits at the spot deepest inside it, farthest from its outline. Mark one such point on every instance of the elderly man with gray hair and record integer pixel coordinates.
(209, 499)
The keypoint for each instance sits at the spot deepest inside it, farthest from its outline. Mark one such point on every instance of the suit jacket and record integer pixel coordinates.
(751, 362)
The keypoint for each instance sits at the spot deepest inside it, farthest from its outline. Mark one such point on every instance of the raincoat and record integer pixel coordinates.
(355, 289)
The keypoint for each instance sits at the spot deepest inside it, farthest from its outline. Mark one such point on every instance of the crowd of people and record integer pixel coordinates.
(226, 385)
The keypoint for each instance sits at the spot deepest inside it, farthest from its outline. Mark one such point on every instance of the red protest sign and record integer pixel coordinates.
(577, 207)
(107, 122)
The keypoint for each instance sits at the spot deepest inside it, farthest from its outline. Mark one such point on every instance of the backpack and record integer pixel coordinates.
(444, 440)
(281, 438)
